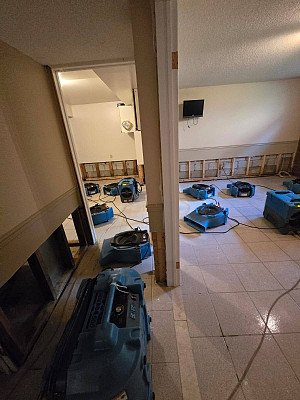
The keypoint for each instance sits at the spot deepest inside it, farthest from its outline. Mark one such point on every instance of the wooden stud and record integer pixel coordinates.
(203, 169)
(248, 165)
(189, 169)
(40, 273)
(9, 340)
(159, 248)
(98, 170)
(218, 167)
(83, 171)
(63, 246)
(111, 168)
(262, 165)
(232, 166)
(125, 168)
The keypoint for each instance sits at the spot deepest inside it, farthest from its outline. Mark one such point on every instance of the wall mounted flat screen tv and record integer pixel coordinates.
(193, 108)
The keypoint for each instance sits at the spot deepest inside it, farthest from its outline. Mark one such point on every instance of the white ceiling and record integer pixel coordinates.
(220, 42)
(121, 79)
(101, 85)
(63, 32)
(234, 41)
(84, 87)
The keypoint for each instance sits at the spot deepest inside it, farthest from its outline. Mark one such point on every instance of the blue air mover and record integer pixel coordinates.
(241, 189)
(111, 189)
(207, 216)
(129, 247)
(200, 191)
(293, 185)
(102, 354)
(101, 213)
(91, 188)
(129, 189)
(282, 208)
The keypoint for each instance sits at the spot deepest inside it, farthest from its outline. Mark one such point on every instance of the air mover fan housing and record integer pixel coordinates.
(101, 213)
(282, 208)
(200, 191)
(91, 188)
(111, 189)
(129, 247)
(241, 189)
(293, 185)
(103, 351)
(207, 216)
(128, 190)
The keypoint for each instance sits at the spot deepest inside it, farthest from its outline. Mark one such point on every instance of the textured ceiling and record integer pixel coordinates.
(234, 41)
(121, 79)
(85, 87)
(63, 32)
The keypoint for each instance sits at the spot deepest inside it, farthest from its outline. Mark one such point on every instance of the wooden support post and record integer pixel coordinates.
(64, 249)
(124, 168)
(111, 168)
(232, 166)
(278, 164)
(82, 227)
(40, 273)
(218, 168)
(203, 169)
(248, 165)
(9, 340)
(98, 170)
(262, 165)
(83, 171)
(189, 169)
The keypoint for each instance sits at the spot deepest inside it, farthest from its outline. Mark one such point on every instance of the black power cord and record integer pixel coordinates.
(250, 362)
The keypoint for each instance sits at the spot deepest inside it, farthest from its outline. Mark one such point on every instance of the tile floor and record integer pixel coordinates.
(205, 331)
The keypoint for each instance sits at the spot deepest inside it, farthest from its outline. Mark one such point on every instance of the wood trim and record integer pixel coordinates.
(83, 171)
(174, 59)
(40, 273)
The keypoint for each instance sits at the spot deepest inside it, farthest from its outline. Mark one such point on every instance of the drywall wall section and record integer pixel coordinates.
(37, 175)
(97, 133)
(239, 116)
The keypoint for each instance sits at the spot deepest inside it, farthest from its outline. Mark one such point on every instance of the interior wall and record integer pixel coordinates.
(240, 115)
(38, 184)
(97, 133)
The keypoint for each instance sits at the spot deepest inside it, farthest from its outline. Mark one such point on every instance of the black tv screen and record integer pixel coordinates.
(193, 108)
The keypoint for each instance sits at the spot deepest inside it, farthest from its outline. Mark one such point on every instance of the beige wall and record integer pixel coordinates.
(241, 114)
(38, 185)
(97, 133)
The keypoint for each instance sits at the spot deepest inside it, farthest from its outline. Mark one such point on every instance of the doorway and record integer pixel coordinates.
(101, 109)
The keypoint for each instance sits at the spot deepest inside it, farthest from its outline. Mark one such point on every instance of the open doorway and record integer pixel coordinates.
(102, 111)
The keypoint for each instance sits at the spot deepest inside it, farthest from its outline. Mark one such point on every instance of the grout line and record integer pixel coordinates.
(187, 367)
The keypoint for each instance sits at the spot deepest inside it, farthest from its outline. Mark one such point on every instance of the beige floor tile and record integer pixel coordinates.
(164, 345)
(256, 277)
(166, 381)
(189, 382)
(210, 254)
(201, 316)
(292, 248)
(295, 295)
(221, 278)
(178, 305)
(289, 344)
(249, 211)
(285, 316)
(229, 237)
(215, 371)
(192, 280)
(270, 376)
(253, 235)
(237, 314)
(239, 253)
(275, 235)
(268, 251)
(187, 255)
(286, 272)
(161, 297)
